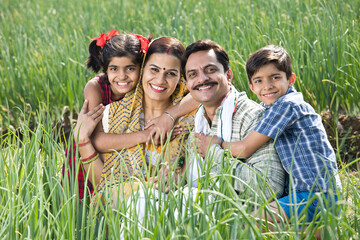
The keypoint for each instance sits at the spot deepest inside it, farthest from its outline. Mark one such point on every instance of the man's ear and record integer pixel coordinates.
(229, 75)
(292, 80)
(251, 86)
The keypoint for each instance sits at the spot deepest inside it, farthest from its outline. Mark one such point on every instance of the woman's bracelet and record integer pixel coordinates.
(172, 118)
(83, 144)
(90, 159)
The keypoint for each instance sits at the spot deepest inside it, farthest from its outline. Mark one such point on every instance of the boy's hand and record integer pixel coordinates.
(205, 142)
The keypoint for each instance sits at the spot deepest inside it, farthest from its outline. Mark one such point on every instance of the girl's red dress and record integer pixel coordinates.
(71, 153)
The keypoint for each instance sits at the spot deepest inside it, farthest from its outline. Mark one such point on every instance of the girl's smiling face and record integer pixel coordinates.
(123, 75)
(161, 75)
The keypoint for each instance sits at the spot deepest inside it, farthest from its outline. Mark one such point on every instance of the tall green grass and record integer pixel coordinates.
(44, 44)
(43, 48)
(37, 203)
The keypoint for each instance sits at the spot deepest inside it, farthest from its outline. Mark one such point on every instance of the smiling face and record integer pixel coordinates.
(269, 83)
(206, 79)
(123, 75)
(161, 75)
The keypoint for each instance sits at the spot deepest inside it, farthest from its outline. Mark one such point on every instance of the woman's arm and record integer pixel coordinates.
(106, 142)
(95, 166)
(87, 121)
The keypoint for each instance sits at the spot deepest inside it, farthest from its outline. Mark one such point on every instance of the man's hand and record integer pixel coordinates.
(204, 142)
(161, 129)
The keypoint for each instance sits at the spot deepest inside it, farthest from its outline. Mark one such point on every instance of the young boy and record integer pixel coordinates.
(300, 137)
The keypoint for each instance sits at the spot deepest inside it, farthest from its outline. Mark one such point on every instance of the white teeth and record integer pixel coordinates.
(205, 87)
(269, 95)
(157, 87)
(122, 83)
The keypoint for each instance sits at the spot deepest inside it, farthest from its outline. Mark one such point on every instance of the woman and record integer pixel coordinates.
(161, 87)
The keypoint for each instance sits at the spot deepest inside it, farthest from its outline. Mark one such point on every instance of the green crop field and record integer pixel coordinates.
(43, 50)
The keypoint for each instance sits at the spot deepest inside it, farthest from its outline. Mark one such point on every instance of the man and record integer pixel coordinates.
(226, 115)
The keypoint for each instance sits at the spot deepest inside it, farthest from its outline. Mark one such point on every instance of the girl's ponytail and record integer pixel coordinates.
(94, 60)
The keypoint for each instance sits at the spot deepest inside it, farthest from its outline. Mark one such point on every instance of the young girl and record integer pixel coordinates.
(119, 56)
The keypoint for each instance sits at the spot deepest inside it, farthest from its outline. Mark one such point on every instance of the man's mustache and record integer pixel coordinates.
(204, 84)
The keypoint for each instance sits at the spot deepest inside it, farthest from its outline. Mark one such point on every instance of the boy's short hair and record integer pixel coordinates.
(206, 45)
(269, 54)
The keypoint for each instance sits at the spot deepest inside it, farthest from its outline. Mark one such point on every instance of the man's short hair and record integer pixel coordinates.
(206, 45)
(269, 54)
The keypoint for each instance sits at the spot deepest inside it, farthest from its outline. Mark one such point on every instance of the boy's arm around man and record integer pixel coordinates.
(262, 172)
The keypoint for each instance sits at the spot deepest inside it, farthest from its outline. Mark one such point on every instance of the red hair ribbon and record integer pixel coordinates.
(101, 40)
(143, 41)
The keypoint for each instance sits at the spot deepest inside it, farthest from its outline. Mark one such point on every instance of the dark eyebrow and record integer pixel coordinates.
(210, 65)
(191, 70)
(255, 78)
(206, 66)
(173, 69)
(154, 65)
(130, 65)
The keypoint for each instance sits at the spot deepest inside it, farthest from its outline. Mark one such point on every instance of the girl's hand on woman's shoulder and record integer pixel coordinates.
(87, 121)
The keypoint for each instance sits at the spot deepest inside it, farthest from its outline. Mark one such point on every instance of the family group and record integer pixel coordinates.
(161, 112)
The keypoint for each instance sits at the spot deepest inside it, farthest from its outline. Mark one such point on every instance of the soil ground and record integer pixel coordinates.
(348, 132)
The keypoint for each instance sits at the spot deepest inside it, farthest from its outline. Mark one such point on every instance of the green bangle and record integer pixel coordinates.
(90, 160)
